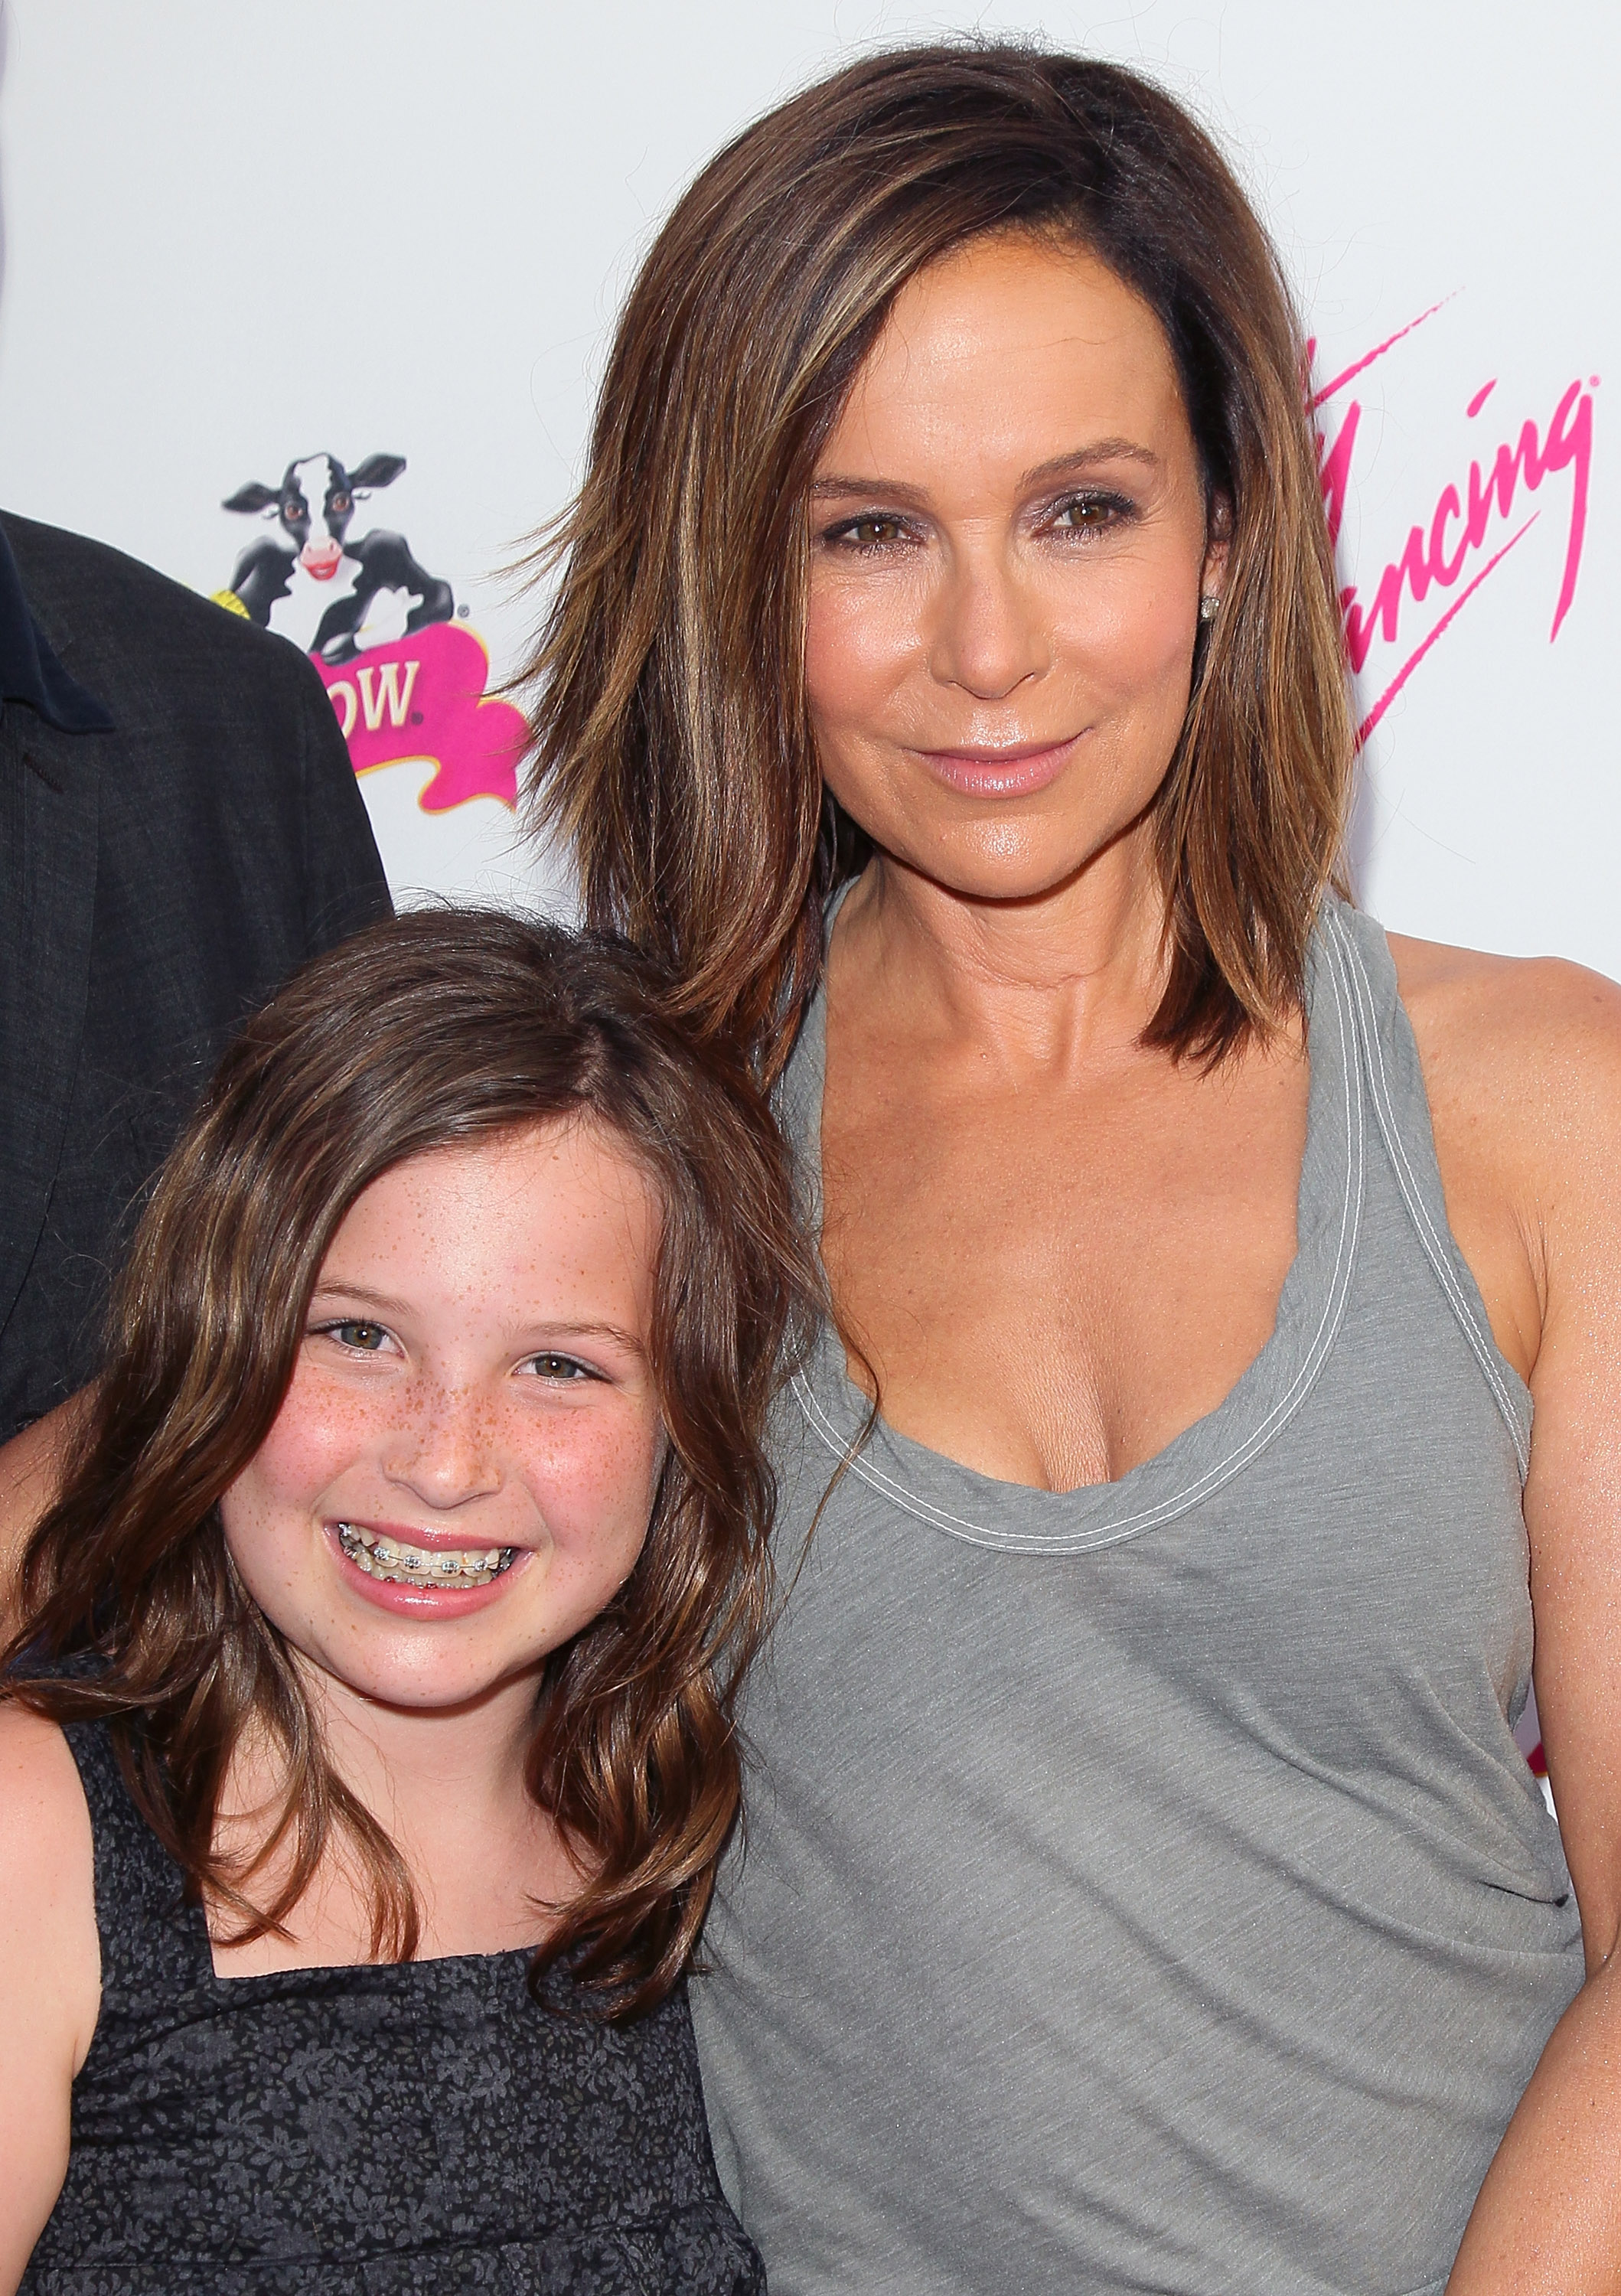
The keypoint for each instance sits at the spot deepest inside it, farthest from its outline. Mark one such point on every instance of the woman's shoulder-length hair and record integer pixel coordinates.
(672, 747)
(438, 1030)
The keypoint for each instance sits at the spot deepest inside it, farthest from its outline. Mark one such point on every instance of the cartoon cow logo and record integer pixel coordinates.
(333, 593)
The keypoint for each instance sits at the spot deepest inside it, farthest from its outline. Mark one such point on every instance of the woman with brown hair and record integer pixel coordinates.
(381, 1649)
(1142, 1886)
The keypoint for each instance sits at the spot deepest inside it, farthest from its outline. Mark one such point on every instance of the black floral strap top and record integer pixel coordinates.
(366, 2131)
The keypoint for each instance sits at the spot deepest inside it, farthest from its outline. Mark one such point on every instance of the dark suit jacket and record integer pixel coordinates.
(157, 880)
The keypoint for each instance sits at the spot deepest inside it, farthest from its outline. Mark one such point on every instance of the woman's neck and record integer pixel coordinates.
(1071, 972)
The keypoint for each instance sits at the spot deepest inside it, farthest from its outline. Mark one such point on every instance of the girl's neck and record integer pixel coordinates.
(448, 1790)
(408, 1763)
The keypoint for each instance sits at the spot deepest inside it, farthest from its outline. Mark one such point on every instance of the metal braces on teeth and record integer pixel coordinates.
(397, 1564)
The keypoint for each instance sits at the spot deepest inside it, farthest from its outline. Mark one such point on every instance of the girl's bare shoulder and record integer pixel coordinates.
(50, 1971)
(47, 1868)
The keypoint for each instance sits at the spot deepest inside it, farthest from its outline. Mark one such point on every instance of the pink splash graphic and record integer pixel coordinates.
(423, 697)
(1464, 522)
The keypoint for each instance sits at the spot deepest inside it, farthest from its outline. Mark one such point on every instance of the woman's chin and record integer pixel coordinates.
(998, 865)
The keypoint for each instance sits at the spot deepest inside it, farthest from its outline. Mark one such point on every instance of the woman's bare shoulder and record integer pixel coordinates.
(1538, 1040)
(1521, 1059)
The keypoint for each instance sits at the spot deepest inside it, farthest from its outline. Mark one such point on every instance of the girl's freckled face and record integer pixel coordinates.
(473, 1380)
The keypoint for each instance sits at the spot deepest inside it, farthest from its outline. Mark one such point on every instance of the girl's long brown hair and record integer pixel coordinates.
(672, 746)
(431, 1032)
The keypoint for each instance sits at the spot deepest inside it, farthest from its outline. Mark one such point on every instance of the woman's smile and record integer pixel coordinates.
(1020, 770)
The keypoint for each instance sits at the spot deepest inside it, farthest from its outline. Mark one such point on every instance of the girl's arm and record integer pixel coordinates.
(49, 1972)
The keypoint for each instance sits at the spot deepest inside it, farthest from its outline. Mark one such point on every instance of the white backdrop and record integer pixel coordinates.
(236, 236)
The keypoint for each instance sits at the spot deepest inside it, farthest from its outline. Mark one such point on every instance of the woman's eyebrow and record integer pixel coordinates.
(835, 484)
(890, 489)
(1102, 450)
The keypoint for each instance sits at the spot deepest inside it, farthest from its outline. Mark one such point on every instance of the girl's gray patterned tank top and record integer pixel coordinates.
(1143, 1889)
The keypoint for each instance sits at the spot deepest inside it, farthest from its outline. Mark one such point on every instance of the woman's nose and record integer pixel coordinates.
(446, 1452)
(989, 634)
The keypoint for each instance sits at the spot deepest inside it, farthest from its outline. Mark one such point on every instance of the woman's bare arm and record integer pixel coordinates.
(1523, 1064)
(49, 1972)
(31, 1469)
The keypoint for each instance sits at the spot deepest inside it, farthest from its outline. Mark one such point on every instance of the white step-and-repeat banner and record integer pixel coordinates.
(391, 235)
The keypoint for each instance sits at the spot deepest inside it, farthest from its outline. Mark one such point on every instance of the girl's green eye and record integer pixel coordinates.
(367, 1337)
(555, 1366)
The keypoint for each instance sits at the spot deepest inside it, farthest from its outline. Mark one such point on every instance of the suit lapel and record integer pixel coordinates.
(49, 789)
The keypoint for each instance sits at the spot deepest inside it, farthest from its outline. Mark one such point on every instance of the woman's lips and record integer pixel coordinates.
(1017, 771)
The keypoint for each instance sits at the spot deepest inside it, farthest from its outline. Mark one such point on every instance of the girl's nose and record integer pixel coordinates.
(446, 1454)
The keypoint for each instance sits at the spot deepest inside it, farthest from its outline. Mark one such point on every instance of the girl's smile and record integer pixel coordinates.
(421, 1570)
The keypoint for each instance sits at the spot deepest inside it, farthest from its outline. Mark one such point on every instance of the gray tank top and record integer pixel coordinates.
(1143, 1889)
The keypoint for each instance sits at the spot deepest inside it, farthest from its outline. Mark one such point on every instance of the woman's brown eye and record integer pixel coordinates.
(1088, 515)
(871, 532)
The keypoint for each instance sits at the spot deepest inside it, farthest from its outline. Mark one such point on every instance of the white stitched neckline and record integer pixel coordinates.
(1114, 1528)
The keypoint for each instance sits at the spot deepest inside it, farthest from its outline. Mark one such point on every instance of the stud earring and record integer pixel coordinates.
(1207, 605)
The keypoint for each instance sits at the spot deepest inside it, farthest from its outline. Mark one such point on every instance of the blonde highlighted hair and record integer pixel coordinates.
(672, 746)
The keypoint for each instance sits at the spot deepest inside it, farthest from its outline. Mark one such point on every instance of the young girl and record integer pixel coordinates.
(368, 1748)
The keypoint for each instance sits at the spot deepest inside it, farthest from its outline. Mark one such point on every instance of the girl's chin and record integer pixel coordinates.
(428, 1679)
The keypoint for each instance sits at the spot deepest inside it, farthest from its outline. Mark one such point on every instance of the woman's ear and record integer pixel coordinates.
(1218, 540)
(1217, 543)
